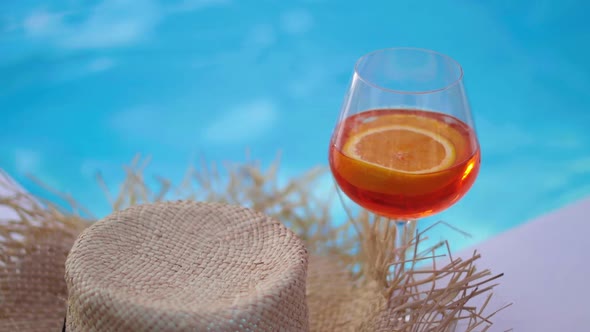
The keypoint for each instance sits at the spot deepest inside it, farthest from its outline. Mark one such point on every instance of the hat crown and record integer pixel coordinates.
(187, 266)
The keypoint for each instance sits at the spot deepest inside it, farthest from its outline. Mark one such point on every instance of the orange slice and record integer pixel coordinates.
(402, 148)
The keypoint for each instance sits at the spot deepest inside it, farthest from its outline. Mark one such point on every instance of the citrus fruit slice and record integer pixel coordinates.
(402, 148)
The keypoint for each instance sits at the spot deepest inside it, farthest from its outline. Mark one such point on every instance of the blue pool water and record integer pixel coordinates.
(85, 85)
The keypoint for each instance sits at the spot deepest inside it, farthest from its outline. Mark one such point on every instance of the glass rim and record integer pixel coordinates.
(423, 50)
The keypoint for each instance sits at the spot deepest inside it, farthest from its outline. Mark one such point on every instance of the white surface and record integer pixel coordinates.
(546, 272)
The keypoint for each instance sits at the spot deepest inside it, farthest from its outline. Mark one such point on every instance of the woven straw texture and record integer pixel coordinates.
(187, 266)
(32, 285)
(337, 303)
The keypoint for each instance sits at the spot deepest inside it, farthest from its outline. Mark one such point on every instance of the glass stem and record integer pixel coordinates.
(404, 227)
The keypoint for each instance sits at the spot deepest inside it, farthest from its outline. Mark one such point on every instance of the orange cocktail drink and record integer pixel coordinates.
(404, 164)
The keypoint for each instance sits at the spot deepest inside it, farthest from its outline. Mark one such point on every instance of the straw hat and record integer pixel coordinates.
(190, 266)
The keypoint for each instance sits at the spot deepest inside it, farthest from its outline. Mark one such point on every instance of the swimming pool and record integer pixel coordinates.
(87, 85)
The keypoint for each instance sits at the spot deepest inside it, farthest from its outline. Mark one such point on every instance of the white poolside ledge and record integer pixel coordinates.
(546, 272)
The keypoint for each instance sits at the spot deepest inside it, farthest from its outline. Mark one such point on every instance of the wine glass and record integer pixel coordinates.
(405, 145)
